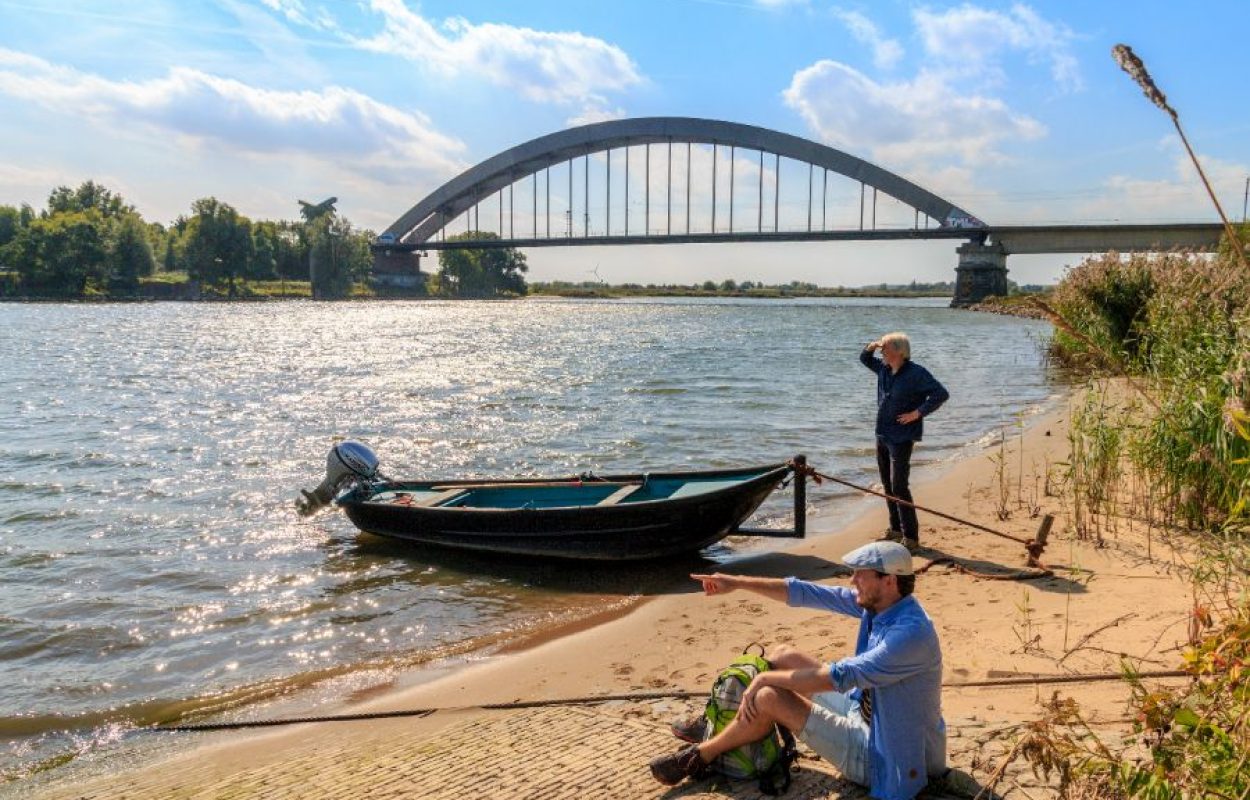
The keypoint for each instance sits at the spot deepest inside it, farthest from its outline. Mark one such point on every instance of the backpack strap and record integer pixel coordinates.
(777, 779)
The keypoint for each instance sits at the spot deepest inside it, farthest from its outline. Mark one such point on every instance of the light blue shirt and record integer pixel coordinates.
(897, 655)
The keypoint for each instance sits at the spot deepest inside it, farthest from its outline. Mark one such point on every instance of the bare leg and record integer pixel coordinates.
(772, 706)
(784, 656)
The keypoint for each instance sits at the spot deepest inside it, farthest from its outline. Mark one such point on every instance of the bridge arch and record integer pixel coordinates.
(425, 219)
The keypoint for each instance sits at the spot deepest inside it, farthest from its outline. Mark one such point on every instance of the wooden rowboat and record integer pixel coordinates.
(613, 517)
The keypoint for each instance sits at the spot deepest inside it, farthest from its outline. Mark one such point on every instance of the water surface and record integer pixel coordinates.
(150, 560)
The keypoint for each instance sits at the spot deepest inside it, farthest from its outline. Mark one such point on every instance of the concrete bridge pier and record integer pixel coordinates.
(982, 272)
(398, 270)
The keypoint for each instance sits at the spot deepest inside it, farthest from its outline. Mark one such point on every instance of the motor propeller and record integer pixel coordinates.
(347, 461)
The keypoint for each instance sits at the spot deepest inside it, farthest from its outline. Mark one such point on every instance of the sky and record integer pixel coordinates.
(1013, 111)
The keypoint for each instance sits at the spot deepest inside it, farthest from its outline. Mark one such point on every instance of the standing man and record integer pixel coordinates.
(876, 716)
(906, 394)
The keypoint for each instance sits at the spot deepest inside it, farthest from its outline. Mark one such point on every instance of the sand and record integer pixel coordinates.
(1102, 604)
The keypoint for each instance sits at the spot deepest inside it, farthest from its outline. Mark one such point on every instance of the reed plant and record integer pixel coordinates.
(1176, 329)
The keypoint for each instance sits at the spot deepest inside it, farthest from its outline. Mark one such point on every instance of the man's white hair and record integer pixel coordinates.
(899, 340)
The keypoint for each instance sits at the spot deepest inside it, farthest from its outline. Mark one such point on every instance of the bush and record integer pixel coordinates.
(1179, 326)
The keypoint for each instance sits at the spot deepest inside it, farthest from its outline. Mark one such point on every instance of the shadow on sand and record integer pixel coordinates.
(995, 571)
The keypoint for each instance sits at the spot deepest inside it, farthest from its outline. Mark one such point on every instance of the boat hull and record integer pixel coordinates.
(647, 529)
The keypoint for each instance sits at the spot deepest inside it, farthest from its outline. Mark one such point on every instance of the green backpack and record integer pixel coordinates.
(767, 760)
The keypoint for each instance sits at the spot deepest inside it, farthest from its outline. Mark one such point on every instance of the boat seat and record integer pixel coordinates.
(441, 497)
(620, 494)
(702, 487)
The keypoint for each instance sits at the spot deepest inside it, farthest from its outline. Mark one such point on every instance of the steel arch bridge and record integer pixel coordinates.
(425, 225)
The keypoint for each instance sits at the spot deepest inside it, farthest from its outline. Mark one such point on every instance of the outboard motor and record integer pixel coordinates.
(347, 461)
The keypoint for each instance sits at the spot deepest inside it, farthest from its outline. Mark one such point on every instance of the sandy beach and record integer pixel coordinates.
(1101, 604)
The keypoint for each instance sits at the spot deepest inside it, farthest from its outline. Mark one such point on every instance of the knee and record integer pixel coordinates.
(768, 700)
(782, 706)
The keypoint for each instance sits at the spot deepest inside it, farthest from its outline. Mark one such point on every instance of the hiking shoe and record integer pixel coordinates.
(672, 769)
(891, 535)
(912, 545)
(692, 730)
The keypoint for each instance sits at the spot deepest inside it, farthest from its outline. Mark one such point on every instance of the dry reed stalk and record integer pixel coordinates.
(1136, 69)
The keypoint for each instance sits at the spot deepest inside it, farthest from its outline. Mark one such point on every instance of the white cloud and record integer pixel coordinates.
(553, 67)
(297, 12)
(906, 123)
(886, 52)
(594, 113)
(948, 116)
(19, 184)
(970, 40)
(1180, 196)
(333, 124)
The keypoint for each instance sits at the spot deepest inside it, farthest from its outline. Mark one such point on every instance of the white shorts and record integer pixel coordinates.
(838, 734)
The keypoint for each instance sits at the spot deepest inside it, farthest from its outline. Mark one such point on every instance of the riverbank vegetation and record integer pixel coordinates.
(732, 288)
(90, 243)
(1164, 445)
(1170, 447)
(1016, 304)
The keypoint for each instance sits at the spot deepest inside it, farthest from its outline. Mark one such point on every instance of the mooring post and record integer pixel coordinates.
(1043, 530)
(800, 496)
(1038, 544)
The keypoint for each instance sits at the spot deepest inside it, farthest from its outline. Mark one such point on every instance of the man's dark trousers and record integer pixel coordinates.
(894, 462)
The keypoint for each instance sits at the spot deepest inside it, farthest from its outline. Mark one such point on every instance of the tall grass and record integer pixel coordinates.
(1155, 319)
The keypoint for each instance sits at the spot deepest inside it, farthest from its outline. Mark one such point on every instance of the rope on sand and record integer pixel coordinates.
(678, 694)
(1016, 575)
(1034, 546)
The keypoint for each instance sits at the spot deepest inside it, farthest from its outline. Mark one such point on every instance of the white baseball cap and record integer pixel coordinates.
(888, 558)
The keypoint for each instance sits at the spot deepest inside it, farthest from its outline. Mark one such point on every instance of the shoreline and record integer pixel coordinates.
(632, 648)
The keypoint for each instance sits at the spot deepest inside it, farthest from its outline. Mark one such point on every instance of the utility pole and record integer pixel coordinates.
(1244, 201)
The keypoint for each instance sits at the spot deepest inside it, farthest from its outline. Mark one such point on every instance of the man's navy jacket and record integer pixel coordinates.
(912, 388)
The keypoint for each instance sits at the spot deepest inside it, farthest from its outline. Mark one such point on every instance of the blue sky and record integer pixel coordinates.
(1015, 112)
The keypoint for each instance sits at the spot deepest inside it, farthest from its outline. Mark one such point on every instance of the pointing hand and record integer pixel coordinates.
(715, 583)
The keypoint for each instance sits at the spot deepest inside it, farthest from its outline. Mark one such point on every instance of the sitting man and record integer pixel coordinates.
(877, 715)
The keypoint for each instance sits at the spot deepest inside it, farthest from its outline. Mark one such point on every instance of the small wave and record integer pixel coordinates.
(659, 390)
(32, 489)
(41, 516)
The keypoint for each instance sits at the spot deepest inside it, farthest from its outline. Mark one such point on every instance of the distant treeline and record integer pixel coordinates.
(732, 288)
(89, 242)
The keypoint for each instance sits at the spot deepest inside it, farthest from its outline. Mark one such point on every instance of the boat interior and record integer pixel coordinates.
(555, 494)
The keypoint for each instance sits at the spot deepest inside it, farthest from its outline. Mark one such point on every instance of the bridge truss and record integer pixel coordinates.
(726, 202)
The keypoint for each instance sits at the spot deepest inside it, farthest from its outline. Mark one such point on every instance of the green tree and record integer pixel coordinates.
(129, 255)
(264, 263)
(482, 272)
(291, 250)
(218, 243)
(88, 197)
(169, 261)
(10, 224)
(62, 255)
(339, 256)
